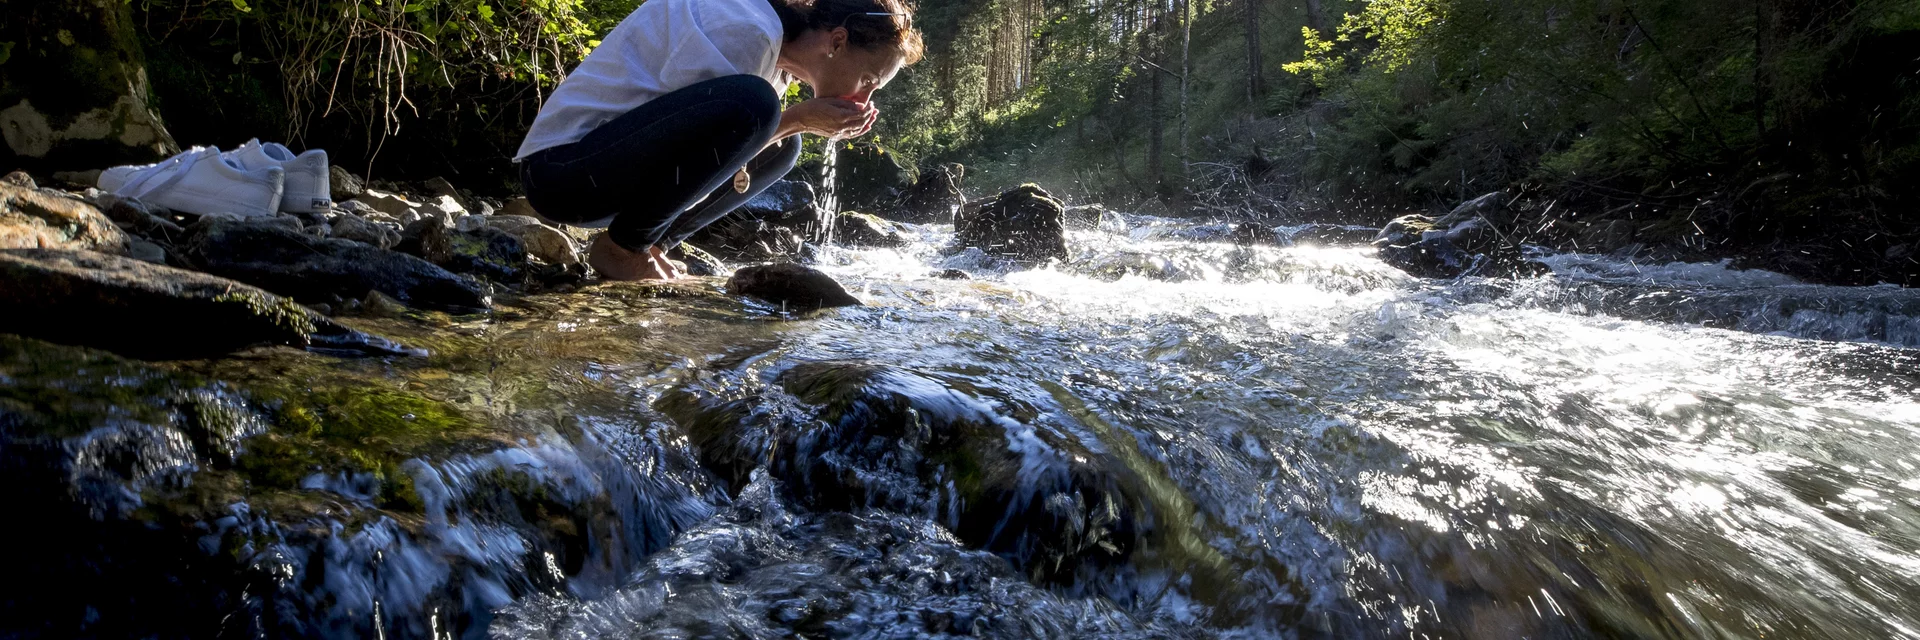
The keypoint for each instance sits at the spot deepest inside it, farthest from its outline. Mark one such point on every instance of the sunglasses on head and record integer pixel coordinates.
(875, 14)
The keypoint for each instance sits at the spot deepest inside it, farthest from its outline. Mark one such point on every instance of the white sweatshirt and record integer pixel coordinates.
(663, 46)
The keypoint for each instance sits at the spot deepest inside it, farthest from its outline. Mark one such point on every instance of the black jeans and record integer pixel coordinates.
(664, 170)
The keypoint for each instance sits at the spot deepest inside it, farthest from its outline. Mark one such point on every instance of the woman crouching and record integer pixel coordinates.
(675, 119)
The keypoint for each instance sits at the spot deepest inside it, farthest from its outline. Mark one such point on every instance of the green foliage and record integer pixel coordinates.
(405, 79)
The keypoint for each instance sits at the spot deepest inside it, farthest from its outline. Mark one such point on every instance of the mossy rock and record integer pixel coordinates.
(856, 436)
(80, 297)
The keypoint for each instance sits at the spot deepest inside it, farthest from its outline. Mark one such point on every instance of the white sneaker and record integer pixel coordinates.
(307, 187)
(201, 182)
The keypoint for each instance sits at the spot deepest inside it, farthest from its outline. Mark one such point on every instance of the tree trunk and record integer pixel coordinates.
(1186, 71)
(1316, 17)
(1254, 88)
(73, 87)
(1153, 123)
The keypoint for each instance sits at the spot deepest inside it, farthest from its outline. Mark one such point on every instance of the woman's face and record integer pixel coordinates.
(835, 69)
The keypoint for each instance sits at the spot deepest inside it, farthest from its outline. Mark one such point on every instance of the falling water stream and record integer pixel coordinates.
(1303, 442)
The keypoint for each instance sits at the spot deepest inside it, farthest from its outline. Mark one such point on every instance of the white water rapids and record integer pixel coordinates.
(1679, 450)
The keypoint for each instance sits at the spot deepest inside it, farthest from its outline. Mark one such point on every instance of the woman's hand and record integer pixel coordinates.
(828, 117)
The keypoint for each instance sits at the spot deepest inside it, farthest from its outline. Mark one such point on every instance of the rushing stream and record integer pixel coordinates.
(1181, 438)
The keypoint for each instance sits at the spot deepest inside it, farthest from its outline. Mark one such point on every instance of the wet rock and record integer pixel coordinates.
(1249, 234)
(1492, 207)
(1092, 216)
(934, 198)
(699, 262)
(486, 251)
(19, 179)
(1330, 235)
(46, 218)
(748, 240)
(870, 436)
(343, 185)
(301, 501)
(323, 270)
(868, 176)
(1470, 246)
(1024, 223)
(148, 221)
(780, 198)
(793, 287)
(953, 274)
(63, 296)
(855, 229)
(351, 227)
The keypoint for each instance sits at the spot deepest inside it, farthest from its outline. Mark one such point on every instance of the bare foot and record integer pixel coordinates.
(614, 262)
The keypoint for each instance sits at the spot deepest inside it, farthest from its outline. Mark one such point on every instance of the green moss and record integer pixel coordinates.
(284, 313)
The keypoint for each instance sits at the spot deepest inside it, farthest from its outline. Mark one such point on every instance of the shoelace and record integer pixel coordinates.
(160, 175)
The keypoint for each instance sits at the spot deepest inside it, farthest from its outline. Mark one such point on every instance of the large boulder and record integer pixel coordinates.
(793, 287)
(150, 311)
(741, 239)
(855, 229)
(778, 200)
(45, 218)
(856, 436)
(934, 198)
(1468, 245)
(73, 88)
(772, 226)
(868, 176)
(323, 270)
(1024, 223)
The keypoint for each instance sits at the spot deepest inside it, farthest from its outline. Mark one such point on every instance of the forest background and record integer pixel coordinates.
(1788, 129)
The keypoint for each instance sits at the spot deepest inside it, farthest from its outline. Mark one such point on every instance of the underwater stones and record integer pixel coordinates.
(1024, 223)
(64, 296)
(793, 287)
(869, 436)
(934, 198)
(317, 270)
(45, 218)
(855, 229)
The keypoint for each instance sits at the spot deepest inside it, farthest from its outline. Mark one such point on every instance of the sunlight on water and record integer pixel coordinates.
(1679, 450)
